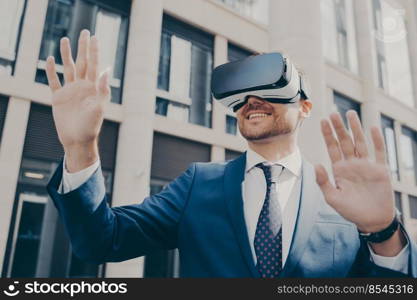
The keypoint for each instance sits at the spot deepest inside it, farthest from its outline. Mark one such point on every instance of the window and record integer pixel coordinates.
(256, 9)
(231, 124)
(344, 104)
(387, 126)
(393, 58)
(413, 206)
(3, 109)
(409, 155)
(339, 37)
(108, 20)
(234, 53)
(11, 13)
(185, 65)
(398, 204)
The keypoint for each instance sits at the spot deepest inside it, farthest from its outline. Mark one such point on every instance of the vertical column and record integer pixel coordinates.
(367, 64)
(31, 39)
(219, 112)
(10, 156)
(217, 153)
(220, 57)
(303, 43)
(134, 151)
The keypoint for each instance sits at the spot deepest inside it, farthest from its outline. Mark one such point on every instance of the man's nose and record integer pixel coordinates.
(252, 100)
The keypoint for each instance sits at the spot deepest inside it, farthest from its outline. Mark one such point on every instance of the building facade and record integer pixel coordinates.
(357, 55)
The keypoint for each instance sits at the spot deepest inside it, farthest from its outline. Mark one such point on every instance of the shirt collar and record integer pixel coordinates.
(291, 162)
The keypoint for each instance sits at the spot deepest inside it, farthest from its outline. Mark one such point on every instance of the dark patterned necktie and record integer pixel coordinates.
(268, 246)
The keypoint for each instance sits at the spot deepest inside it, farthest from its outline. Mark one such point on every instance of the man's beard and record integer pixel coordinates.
(278, 127)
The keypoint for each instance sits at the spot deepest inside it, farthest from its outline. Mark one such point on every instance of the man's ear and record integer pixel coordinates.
(305, 108)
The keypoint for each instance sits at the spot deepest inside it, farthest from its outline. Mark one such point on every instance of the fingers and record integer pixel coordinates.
(379, 145)
(331, 142)
(103, 84)
(69, 66)
(345, 141)
(358, 135)
(93, 62)
(322, 178)
(53, 79)
(82, 54)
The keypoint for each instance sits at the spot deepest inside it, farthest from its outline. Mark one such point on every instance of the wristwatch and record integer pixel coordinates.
(383, 235)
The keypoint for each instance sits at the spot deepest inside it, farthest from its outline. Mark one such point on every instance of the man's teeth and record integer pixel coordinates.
(257, 116)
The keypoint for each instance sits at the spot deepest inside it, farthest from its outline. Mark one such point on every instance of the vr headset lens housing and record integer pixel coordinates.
(269, 76)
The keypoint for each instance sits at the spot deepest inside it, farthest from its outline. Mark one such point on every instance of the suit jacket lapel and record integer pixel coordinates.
(308, 208)
(233, 177)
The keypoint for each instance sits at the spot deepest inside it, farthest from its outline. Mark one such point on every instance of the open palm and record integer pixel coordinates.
(78, 105)
(363, 193)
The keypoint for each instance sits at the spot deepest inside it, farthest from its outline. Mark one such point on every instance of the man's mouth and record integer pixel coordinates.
(257, 115)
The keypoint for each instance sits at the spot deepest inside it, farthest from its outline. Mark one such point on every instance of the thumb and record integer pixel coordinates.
(322, 179)
(103, 84)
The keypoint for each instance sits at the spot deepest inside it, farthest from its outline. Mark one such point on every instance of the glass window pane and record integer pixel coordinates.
(180, 67)
(387, 125)
(398, 203)
(164, 62)
(409, 155)
(201, 67)
(338, 33)
(58, 20)
(231, 125)
(4, 102)
(161, 107)
(344, 104)
(121, 49)
(10, 16)
(107, 31)
(11, 12)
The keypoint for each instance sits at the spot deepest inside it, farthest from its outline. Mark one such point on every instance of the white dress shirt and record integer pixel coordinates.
(253, 194)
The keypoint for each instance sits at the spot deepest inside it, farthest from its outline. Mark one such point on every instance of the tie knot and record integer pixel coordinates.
(271, 172)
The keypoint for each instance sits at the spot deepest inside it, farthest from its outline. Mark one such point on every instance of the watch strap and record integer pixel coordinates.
(383, 235)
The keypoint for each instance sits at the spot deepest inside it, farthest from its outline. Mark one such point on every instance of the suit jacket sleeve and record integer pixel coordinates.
(99, 233)
(364, 267)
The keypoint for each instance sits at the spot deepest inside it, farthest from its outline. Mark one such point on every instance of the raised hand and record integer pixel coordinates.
(78, 106)
(363, 193)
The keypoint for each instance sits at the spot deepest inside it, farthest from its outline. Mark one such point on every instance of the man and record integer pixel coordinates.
(267, 213)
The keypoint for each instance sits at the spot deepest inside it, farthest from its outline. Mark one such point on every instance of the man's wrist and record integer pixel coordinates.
(380, 235)
(80, 156)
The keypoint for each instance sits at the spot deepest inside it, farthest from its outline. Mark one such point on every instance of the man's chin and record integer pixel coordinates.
(263, 135)
(253, 136)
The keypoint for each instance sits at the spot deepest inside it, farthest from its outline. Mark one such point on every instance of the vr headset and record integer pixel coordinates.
(272, 77)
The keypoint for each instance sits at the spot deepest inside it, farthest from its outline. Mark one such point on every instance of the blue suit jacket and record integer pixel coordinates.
(201, 214)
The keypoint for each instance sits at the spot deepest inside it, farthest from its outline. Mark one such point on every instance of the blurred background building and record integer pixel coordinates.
(358, 55)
